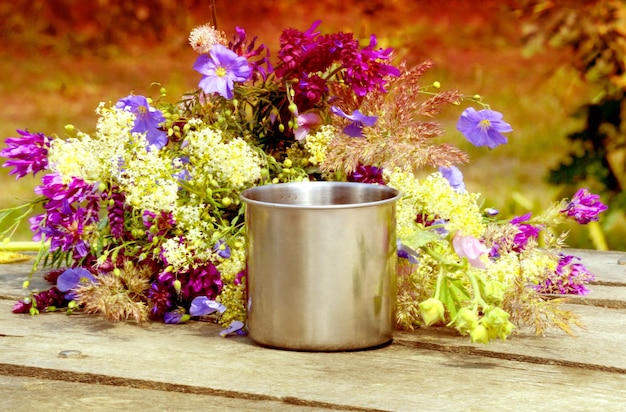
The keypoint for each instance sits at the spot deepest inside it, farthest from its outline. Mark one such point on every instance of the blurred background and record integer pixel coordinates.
(556, 72)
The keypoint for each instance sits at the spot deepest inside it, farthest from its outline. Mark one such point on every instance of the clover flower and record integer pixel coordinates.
(584, 207)
(27, 154)
(220, 70)
(483, 127)
(204, 37)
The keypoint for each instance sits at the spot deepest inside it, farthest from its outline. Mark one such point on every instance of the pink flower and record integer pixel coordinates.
(471, 248)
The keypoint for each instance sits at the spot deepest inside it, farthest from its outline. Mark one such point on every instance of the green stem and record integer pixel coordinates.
(20, 246)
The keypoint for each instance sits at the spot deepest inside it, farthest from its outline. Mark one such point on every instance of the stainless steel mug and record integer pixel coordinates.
(321, 265)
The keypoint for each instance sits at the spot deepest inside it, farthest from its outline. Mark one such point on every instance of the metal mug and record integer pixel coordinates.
(321, 265)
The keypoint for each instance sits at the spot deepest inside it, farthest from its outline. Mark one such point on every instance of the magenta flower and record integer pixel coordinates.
(221, 69)
(40, 301)
(471, 248)
(584, 207)
(570, 277)
(483, 127)
(525, 233)
(367, 71)
(367, 174)
(147, 119)
(454, 176)
(359, 120)
(27, 154)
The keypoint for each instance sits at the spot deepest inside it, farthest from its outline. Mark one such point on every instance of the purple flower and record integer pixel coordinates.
(202, 306)
(27, 154)
(221, 69)
(525, 232)
(175, 316)
(569, 278)
(71, 278)
(359, 120)
(454, 176)
(471, 248)
(584, 207)
(235, 327)
(147, 119)
(407, 253)
(367, 174)
(222, 249)
(484, 127)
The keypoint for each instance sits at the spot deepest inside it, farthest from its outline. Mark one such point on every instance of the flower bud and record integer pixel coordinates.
(466, 320)
(26, 284)
(432, 311)
(177, 285)
(227, 201)
(436, 84)
(479, 334)
(287, 162)
(293, 108)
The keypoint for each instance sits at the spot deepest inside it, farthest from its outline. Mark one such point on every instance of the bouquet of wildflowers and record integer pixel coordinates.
(142, 219)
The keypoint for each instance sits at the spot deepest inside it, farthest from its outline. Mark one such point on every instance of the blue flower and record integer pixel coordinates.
(147, 119)
(359, 120)
(235, 327)
(221, 69)
(407, 253)
(202, 306)
(71, 278)
(454, 176)
(222, 249)
(483, 127)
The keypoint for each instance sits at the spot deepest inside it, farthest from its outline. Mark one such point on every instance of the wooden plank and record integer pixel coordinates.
(22, 394)
(396, 377)
(603, 264)
(600, 346)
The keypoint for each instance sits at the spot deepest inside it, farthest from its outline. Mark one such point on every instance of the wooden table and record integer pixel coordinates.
(155, 367)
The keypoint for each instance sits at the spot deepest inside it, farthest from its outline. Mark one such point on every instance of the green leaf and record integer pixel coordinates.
(453, 293)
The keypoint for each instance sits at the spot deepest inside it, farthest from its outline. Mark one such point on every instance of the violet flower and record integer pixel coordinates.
(235, 328)
(359, 120)
(407, 253)
(221, 69)
(222, 249)
(202, 306)
(72, 278)
(584, 207)
(570, 277)
(483, 127)
(454, 176)
(27, 154)
(147, 119)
